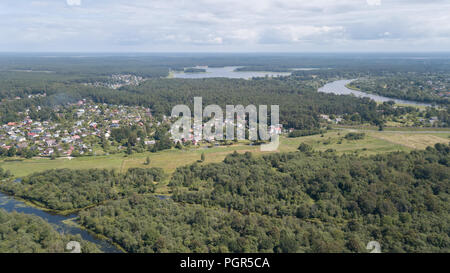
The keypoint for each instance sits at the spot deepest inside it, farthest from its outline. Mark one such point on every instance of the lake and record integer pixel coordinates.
(339, 88)
(227, 72)
(10, 204)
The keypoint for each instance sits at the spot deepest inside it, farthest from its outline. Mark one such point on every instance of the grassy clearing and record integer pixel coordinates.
(170, 75)
(168, 160)
(399, 129)
(335, 140)
(420, 107)
(373, 143)
(28, 166)
(442, 135)
(414, 141)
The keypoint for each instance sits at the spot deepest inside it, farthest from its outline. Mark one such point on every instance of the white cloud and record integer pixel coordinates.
(233, 25)
(300, 33)
(73, 2)
(373, 2)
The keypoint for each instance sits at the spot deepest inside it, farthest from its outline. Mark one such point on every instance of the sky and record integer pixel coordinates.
(224, 26)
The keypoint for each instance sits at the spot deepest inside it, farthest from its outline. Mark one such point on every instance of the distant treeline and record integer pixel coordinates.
(300, 133)
(267, 68)
(355, 136)
(194, 70)
(299, 102)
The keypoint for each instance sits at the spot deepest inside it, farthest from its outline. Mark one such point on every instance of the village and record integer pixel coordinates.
(86, 129)
(117, 81)
(77, 131)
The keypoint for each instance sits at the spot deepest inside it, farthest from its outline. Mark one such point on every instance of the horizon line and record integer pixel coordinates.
(225, 52)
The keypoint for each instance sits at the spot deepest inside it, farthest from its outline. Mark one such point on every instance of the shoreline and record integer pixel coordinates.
(406, 102)
(74, 223)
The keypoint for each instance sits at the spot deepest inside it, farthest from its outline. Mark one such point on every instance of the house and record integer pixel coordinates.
(325, 117)
(21, 139)
(275, 129)
(80, 112)
(50, 142)
(48, 151)
(22, 145)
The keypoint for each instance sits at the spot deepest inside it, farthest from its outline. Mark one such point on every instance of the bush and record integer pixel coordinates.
(355, 136)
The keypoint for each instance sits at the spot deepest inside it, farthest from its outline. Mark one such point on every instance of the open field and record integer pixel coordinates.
(414, 141)
(399, 129)
(168, 160)
(373, 143)
(335, 140)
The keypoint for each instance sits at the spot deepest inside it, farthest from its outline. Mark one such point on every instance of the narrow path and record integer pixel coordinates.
(122, 165)
(397, 132)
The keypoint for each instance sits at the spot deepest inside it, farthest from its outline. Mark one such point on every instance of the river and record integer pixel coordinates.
(339, 88)
(10, 204)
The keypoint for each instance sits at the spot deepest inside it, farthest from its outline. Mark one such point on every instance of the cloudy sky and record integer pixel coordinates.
(224, 25)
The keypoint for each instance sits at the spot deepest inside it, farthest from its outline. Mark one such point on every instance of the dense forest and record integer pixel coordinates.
(66, 189)
(20, 233)
(297, 202)
(290, 184)
(383, 195)
(147, 224)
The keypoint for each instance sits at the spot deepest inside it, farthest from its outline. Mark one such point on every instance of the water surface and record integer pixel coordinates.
(339, 88)
(227, 72)
(10, 204)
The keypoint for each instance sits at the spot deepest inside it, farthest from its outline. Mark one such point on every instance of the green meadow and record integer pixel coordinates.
(374, 142)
